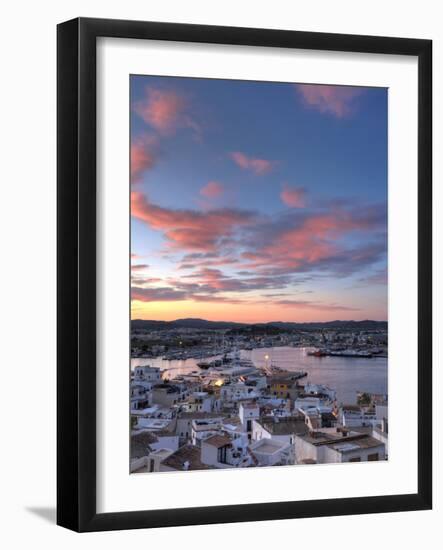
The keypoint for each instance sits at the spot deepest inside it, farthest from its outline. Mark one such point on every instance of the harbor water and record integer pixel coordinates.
(347, 375)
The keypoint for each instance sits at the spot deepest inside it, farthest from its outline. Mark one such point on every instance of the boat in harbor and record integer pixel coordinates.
(209, 364)
(317, 353)
(353, 353)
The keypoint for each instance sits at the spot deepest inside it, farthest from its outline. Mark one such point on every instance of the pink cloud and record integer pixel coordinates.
(338, 101)
(221, 262)
(138, 281)
(217, 299)
(159, 294)
(212, 280)
(161, 108)
(257, 165)
(189, 229)
(143, 156)
(165, 110)
(316, 306)
(380, 277)
(293, 197)
(314, 242)
(212, 190)
(169, 294)
(195, 260)
(139, 267)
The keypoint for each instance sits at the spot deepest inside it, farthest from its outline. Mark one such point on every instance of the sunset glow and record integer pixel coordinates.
(257, 202)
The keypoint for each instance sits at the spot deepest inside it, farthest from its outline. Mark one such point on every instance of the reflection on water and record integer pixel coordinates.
(344, 374)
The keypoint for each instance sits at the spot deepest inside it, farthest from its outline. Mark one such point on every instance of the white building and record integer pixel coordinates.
(258, 381)
(185, 458)
(381, 433)
(149, 422)
(275, 406)
(233, 427)
(220, 451)
(354, 416)
(185, 419)
(237, 391)
(303, 403)
(312, 417)
(141, 445)
(169, 394)
(147, 374)
(248, 412)
(204, 428)
(199, 402)
(381, 412)
(284, 429)
(318, 417)
(330, 445)
(166, 440)
(320, 389)
(141, 397)
(155, 458)
(269, 452)
(145, 443)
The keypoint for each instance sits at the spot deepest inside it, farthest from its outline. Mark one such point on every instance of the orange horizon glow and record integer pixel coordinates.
(239, 313)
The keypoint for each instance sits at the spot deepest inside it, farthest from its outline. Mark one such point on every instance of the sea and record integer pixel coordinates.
(347, 375)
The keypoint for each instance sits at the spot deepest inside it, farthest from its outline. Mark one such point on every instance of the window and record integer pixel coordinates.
(221, 452)
(373, 457)
(355, 459)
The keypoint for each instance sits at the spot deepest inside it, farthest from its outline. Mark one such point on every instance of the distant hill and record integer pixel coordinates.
(184, 323)
(351, 325)
(140, 324)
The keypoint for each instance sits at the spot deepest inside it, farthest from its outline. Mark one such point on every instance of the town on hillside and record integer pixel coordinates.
(230, 413)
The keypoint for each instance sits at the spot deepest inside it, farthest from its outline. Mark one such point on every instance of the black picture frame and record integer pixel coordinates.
(76, 265)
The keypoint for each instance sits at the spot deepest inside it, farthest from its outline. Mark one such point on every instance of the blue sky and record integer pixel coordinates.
(254, 200)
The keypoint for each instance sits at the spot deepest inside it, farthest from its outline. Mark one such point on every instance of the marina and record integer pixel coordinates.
(347, 376)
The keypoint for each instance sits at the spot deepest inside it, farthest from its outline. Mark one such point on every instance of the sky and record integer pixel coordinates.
(257, 201)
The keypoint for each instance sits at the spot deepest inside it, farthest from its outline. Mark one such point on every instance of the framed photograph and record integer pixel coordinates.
(244, 274)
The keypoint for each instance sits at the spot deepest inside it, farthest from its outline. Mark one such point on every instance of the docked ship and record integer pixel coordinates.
(210, 364)
(318, 353)
(353, 353)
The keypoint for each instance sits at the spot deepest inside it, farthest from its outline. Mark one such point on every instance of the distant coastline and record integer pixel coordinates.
(227, 325)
